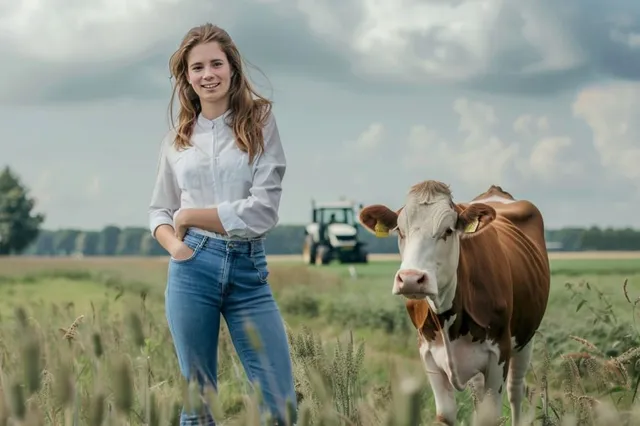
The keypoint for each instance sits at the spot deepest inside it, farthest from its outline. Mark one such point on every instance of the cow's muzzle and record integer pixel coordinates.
(413, 284)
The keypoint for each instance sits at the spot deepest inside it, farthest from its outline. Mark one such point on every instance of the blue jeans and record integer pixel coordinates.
(228, 278)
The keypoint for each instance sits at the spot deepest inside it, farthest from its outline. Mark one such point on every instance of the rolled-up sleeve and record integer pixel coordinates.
(165, 199)
(257, 214)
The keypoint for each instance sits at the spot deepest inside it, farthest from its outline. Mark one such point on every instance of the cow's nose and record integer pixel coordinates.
(412, 277)
(411, 282)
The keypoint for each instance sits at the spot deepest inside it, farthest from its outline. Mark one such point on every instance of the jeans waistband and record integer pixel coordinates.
(249, 247)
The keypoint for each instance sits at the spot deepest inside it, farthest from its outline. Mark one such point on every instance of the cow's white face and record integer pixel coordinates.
(429, 245)
(429, 232)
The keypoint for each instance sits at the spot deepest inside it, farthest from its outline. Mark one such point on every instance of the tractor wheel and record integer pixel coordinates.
(361, 256)
(323, 255)
(309, 251)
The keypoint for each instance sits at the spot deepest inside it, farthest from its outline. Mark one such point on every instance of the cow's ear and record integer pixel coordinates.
(474, 218)
(378, 219)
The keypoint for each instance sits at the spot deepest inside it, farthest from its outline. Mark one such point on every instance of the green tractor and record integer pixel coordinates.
(333, 235)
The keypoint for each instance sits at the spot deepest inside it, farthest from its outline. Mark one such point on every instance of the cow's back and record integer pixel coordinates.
(520, 228)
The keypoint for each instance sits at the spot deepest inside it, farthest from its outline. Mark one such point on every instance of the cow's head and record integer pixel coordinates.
(429, 228)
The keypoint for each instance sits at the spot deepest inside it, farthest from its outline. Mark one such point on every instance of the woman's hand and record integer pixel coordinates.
(166, 236)
(181, 225)
(182, 252)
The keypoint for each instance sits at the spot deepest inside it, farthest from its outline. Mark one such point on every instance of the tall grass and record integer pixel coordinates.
(62, 366)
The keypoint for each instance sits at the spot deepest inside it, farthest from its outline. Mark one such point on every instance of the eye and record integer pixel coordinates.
(446, 234)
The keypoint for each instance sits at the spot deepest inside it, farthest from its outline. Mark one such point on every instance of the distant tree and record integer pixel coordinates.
(108, 242)
(129, 241)
(18, 226)
(87, 243)
(65, 241)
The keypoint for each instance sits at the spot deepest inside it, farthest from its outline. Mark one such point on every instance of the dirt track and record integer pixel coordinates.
(579, 255)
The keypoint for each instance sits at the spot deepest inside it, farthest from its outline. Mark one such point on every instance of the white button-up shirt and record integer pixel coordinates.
(215, 173)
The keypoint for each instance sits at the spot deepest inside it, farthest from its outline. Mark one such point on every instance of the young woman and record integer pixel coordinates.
(216, 194)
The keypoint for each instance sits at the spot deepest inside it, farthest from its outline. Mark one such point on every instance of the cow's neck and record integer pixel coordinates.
(478, 293)
(467, 296)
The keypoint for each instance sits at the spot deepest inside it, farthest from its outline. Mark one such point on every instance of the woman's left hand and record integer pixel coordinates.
(180, 224)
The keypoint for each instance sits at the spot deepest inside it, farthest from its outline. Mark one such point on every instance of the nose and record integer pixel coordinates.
(412, 283)
(208, 73)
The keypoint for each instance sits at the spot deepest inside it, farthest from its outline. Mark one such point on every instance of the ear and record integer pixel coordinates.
(474, 217)
(378, 219)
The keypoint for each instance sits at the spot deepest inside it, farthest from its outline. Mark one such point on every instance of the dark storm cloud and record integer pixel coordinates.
(595, 31)
(270, 37)
(539, 85)
(145, 79)
(588, 26)
(275, 36)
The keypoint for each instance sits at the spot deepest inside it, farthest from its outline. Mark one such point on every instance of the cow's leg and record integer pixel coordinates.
(515, 382)
(477, 385)
(442, 390)
(494, 378)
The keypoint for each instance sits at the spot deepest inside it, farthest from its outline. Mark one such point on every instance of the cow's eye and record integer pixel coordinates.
(447, 233)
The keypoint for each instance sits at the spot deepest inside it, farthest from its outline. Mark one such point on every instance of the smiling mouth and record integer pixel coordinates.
(211, 86)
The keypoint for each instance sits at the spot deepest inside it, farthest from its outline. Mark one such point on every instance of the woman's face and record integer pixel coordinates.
(209, 72)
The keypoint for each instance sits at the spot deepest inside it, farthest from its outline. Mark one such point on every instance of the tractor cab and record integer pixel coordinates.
(333, 234)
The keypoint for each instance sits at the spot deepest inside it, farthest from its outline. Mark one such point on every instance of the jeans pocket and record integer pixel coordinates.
(261, 266)
(195, 246)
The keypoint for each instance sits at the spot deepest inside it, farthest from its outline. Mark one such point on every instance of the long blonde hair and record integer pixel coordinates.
(248, 114)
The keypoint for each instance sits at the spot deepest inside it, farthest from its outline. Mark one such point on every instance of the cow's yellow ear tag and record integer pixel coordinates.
(472, 227)
(381, 230)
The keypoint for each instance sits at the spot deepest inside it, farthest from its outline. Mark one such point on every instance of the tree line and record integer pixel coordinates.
(287, 239)
(21, 233)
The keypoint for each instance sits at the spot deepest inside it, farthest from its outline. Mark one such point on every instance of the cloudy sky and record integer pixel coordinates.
(541, 97)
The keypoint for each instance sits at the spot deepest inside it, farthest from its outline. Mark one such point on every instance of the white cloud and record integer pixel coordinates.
(550, 157)
(630, 39)
(480, 157)
(483, 44)
(371, 138)
(547, 35)
(551, 160)
(58, 49)
(612, 111)
(97, 31)
(450, 41)
(528, 46)
(528, 125)
(365, 148)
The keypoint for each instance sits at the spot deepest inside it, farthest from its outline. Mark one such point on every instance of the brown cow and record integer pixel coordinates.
(478, 271)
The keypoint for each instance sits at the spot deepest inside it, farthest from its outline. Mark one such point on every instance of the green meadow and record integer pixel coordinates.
(85, 342)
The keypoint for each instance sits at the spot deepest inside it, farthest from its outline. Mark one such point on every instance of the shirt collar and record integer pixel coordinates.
(208, 124)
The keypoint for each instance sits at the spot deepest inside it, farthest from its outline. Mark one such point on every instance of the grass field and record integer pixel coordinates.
(85, 342)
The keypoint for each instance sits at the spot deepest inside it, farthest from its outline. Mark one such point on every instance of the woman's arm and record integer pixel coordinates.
(206, 218)
(252, 216)
(165, 201)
